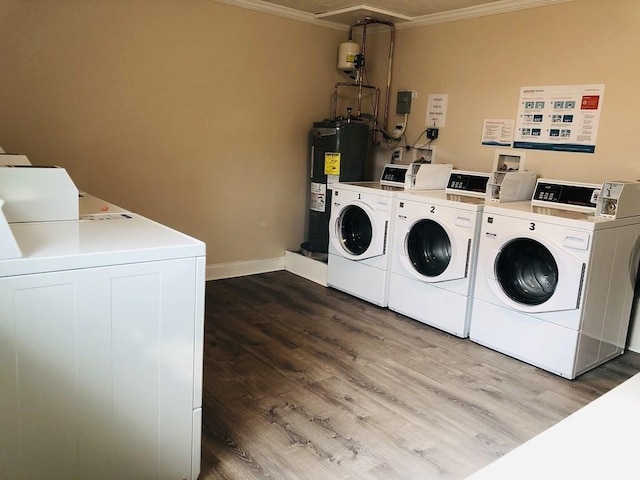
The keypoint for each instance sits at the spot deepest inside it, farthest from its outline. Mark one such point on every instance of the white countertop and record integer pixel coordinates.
(596, 442)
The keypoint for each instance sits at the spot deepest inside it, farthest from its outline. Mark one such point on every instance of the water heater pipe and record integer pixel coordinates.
(359, 80)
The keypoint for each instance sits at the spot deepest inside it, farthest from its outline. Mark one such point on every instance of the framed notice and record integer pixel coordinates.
(560, 118)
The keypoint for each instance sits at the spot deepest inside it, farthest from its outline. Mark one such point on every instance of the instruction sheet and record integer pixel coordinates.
(497, 132)
(560, 118)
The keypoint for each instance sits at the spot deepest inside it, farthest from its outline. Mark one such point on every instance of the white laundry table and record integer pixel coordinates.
(598, 441)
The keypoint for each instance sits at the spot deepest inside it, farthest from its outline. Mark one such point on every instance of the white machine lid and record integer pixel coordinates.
(443, 198)
(122, 238)
(568, 218)
(369, 187)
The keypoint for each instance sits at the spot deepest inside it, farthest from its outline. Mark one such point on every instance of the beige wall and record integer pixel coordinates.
(191, 112)
(196, 113)
(482, 63)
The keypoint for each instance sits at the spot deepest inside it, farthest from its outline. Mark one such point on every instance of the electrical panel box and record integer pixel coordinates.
(403, 104)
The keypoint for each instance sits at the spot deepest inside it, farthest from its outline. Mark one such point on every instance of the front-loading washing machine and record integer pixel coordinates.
(555, 281)
(360, 230)
(434, 248)
(359, 239)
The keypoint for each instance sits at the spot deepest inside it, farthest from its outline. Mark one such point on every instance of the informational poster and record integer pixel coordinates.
(561, 118)
(498, 132)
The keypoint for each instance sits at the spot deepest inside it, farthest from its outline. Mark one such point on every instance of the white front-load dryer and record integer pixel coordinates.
(359, 239)
(555, 283)
(434, 250)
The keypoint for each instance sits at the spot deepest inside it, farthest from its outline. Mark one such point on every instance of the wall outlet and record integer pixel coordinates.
(396, 155)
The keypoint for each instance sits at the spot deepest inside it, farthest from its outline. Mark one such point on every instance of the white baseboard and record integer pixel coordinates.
(306, 267)
(241, 269)
(293, 262)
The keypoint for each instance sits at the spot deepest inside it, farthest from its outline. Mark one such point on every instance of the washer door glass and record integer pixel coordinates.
(526, 271)
(356, 231)
(429, 248)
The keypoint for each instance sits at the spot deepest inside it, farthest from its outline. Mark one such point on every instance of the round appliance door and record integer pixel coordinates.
(359, 234)
(434, 252)
(535, 276)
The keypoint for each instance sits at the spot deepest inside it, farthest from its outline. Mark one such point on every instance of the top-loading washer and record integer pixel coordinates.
(434, 248)
(555, 281)
(360, 229)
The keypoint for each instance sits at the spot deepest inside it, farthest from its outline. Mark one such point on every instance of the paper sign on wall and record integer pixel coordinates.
(498, 132)
(561, 118)
(437, 109)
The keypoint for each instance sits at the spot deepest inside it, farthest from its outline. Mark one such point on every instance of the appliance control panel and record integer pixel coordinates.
(461, 182)
(394, 175)
(560, 194)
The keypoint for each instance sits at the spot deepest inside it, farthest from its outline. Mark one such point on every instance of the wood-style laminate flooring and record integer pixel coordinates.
(306, 382)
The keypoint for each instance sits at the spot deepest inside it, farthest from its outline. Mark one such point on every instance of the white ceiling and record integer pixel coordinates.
(408, 8)
(399, 12)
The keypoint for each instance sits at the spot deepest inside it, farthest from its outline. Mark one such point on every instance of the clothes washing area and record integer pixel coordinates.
(101, 336)
(361, 226)
(538, 269)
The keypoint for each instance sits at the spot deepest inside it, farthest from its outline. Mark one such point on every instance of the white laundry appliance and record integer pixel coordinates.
(555, 281)
(359, 239)
(101, 343)
(360, 229)
(434, 248)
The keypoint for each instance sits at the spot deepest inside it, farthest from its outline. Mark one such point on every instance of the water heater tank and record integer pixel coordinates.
(347, 52)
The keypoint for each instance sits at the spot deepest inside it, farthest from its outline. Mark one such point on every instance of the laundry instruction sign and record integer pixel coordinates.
(332, 163)
(561, 118)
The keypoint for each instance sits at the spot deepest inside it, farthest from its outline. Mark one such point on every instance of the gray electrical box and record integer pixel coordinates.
(403, 104)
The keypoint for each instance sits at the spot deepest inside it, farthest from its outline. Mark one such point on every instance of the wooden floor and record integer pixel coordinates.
(305, 382)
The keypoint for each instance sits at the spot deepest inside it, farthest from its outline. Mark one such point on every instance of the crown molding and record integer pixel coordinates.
(494, 8)
(285, 12)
